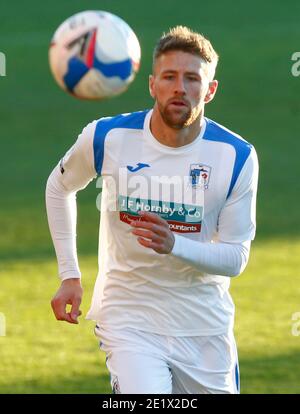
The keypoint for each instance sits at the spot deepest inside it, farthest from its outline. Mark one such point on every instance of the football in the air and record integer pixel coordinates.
(94, 55)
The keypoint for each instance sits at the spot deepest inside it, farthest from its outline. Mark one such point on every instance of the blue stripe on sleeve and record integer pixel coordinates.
(215, 132)
(134, 120)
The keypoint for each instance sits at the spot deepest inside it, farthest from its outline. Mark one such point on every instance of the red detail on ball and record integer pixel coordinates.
(91, 51)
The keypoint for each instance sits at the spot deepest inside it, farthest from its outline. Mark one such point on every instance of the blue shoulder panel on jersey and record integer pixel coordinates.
(215, 132)
(134, 120)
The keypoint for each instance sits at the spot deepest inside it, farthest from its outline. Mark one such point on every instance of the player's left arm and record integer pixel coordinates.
(236, 229)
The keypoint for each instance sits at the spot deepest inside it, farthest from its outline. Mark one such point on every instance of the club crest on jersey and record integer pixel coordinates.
(199, 175)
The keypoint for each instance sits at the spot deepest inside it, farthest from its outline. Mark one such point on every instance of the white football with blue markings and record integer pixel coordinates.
(94, 55)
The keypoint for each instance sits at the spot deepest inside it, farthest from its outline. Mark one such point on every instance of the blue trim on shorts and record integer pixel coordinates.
(237, 377)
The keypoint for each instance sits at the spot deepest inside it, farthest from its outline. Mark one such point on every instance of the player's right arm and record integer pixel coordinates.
(72, 174)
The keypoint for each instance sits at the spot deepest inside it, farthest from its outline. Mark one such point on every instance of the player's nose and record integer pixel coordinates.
(179, 86)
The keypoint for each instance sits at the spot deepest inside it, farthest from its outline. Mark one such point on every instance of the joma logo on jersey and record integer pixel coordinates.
(200, 175)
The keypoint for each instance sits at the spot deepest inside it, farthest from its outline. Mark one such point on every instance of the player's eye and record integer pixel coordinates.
(193, 78)
(168, 77)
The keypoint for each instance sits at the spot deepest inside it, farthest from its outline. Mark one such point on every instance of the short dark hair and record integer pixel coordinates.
(184, 39)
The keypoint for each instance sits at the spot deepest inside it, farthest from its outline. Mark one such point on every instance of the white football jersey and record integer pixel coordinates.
(206, 190)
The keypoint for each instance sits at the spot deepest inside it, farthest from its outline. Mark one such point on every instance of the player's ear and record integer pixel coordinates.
(151, 86)
(212, 89)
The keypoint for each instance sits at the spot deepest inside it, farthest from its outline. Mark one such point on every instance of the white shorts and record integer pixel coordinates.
(145, 363)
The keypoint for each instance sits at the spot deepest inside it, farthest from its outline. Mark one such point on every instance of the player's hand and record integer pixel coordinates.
(69, 293)
(153, 232)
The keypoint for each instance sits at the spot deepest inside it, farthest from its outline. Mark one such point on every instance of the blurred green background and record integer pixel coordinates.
(258, 98)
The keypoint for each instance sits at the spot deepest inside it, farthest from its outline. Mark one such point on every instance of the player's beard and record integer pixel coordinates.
(178, 120)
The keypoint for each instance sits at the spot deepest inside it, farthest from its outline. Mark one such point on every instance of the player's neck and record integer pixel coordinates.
(172, 137)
